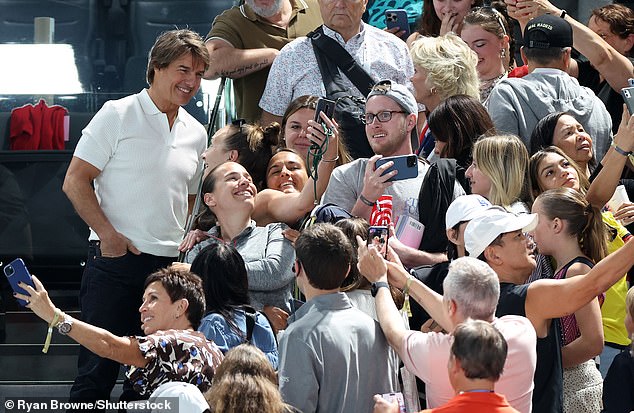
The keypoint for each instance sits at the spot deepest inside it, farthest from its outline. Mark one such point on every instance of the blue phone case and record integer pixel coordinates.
(397, 18)
(17, 272)
(406, 165)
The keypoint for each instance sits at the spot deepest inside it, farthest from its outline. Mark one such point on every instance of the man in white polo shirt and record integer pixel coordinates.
(142, 154)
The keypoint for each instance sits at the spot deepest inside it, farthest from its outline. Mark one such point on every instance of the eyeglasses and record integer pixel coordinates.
(383, 116)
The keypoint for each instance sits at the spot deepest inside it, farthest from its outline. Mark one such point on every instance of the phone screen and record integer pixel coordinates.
(378, 236)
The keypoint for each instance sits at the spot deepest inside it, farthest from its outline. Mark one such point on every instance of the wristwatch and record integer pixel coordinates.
(375, 287)
(65, 325)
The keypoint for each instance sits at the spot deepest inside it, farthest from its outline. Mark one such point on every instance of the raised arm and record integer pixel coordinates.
(123, 350)
(612, 65)
(277, 206)
(430, 300)
(374, 268)
(548, 299)
(228, 61)
(604, 185)
(78, 188)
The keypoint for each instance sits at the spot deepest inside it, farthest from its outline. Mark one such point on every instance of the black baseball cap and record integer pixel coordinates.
(547, 31)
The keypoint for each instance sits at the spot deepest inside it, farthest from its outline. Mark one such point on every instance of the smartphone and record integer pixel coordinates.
(378, 236)
(406, 165)
(15, 272)
(397, 18)
(324, 105)
(398, 397)
(628, 97)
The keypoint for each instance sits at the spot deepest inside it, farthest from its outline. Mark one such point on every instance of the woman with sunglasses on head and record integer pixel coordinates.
(570, 231)
(487, 33)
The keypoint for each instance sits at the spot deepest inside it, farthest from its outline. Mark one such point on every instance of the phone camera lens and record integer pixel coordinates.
(9, 271)
(411, 161)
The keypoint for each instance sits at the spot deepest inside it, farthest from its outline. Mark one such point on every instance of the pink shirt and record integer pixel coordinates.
(426, 355)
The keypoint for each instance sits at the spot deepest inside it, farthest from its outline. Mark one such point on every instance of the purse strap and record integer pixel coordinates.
(331, 55)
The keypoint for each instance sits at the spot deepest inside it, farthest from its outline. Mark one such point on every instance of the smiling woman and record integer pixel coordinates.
(173, 305)
(229, 194)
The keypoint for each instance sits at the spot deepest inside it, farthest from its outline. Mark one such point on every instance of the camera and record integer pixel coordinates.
(9, 271)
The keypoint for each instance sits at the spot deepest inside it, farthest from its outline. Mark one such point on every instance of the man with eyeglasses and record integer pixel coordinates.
(390, 118)
(295, 71)
(499, 238)
(245, 40)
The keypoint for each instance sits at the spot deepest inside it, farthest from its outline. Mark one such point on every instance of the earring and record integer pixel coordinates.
(433, 90)
(502, 53)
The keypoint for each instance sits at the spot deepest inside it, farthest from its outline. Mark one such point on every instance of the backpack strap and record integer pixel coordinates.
(326, 47)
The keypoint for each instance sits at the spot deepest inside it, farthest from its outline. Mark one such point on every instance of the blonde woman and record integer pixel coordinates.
(499, 171)
(443, 66)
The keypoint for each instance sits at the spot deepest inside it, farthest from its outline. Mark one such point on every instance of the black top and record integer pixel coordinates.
(548, 391)
(618, 386)
(433, 277)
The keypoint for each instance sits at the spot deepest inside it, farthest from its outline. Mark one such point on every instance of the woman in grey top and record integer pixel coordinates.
(229, 194)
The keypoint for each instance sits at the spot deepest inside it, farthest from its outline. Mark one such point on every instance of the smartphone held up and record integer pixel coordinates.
(17, 272)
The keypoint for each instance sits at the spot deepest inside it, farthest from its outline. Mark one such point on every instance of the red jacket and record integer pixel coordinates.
(37, 127)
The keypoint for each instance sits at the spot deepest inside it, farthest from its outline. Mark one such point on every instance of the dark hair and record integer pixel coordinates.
(480, 348)
(301, 102)
(544, 57)
(182, 284)
(352, 227)
(584, 220)
(533, 170)
(207, 219)
(619, 17)
(495, 20)
(459, 121)
(173, 44)
(429, 22)
(254, 145)
(326, 255)
(225, 281)
(544, 132)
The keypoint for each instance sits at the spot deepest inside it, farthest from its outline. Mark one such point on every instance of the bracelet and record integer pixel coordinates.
(331, 160)
(563, 13)
(365, 200)
(407, 284)
(47, 342)
(620, 150)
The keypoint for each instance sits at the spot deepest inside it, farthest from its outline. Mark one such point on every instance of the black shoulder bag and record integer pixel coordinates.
(350, 110)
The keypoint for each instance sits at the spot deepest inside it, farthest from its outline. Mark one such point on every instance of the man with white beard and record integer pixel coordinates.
(244, 41)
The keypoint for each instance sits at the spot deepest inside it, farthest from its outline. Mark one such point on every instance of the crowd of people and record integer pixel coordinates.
(514, 296)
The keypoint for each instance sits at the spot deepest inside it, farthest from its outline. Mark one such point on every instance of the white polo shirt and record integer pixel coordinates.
(147, 170)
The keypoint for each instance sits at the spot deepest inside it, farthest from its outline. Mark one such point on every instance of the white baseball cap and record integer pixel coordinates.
(465, 208)
(482, 230)
(190, 399)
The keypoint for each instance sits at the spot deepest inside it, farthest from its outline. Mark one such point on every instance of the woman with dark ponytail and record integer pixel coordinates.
(571, 231)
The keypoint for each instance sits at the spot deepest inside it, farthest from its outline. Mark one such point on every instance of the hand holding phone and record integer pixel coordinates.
(405, 165)
(17, 272)
(379, 236)
(398, 18)
(396, 397)
(324, 105)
